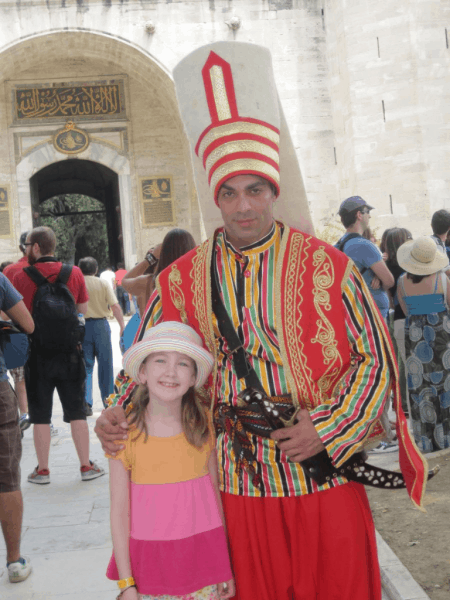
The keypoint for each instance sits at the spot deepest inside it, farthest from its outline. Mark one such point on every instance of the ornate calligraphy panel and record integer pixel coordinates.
(5, 212)
(94, 101)
(157, 201)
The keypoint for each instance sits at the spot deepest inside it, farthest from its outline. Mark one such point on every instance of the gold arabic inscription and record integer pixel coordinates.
(71, 100)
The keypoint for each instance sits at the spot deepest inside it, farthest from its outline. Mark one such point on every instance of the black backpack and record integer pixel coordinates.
(55, 314)
(342, 242)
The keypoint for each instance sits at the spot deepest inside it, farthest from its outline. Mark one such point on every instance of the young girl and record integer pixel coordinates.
(166, 515)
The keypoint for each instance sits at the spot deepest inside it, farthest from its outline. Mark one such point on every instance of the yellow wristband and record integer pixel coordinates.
(124, 583)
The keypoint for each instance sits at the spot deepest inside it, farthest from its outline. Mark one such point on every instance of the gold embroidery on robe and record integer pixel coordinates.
(292, 308)
(199, 294)
(279, 273)
(176, 292)
(323, 279)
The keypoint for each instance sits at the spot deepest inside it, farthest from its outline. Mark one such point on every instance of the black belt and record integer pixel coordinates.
(260, 414)
(96, 319)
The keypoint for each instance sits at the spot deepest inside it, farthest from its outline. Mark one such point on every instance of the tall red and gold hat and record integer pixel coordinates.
(233, 118)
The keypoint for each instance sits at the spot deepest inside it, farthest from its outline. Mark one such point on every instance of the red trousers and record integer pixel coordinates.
(316, 547)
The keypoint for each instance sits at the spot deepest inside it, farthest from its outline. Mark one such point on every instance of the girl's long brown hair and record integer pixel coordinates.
(176, 243)
(193, 415)
(395, 237)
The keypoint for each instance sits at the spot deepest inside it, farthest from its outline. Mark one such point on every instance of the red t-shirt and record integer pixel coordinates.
(16, 267)
(120, 274)
(26, 286)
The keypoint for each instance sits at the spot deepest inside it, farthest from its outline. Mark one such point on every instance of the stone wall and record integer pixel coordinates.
(101, 37)
(363, 85)
(152, 140)
(390, 90)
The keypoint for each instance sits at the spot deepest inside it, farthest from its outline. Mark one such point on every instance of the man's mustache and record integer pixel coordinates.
(244, 216)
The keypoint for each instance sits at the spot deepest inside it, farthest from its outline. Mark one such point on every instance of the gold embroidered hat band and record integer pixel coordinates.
(235, 125)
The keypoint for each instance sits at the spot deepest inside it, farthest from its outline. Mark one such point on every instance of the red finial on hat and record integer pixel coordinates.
(219, 88)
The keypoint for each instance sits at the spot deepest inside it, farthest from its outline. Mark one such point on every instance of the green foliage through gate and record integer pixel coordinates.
(77, 235)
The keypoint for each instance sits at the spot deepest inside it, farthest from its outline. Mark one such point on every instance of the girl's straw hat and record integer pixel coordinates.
(421, 257)
(170, 336)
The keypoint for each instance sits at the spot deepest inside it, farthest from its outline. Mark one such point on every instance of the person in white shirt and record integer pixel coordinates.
(109, 276)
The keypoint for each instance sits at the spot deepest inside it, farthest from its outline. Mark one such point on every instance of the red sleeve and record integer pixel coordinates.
(25, 286)
(14, 279)
(9, 273)
(77, 286)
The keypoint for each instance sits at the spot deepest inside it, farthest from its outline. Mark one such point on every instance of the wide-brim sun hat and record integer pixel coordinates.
(421, 257)
(170, 336)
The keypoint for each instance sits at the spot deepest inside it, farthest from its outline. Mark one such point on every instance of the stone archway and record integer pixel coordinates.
(99, 171)
(145, 141)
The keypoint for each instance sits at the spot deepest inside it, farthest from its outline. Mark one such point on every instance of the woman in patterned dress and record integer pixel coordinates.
(423, 291)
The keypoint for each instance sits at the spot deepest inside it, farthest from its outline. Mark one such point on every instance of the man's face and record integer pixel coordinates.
(365, 217)
(246, 204)
(30, 254)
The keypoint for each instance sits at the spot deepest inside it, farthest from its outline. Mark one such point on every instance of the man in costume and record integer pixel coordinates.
(311, 348)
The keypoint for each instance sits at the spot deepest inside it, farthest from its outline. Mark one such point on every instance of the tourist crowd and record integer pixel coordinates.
(407, 279)
(258, 369)
(409, 282)
(66, 311)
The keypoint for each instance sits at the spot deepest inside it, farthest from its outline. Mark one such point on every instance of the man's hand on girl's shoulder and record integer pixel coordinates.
(227, 589)
(111, 426)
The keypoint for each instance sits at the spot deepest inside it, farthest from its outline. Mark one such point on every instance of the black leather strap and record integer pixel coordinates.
(64, 274)
(39, 279)
(237, 354)
(35, 275)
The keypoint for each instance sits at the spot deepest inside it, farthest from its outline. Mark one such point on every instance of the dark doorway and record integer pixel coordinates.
(79, 223)
(73, 176)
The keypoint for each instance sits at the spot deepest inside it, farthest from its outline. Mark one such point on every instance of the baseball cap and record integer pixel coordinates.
(353, 203)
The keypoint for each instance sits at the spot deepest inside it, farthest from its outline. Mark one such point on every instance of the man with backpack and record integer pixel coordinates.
(55, 294)
(355, 216)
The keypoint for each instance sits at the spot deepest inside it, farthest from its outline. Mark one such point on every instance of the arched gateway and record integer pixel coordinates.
(93, 115)
(91, 179)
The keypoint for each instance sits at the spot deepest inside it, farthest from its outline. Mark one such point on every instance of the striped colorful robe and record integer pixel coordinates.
(310, 328)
